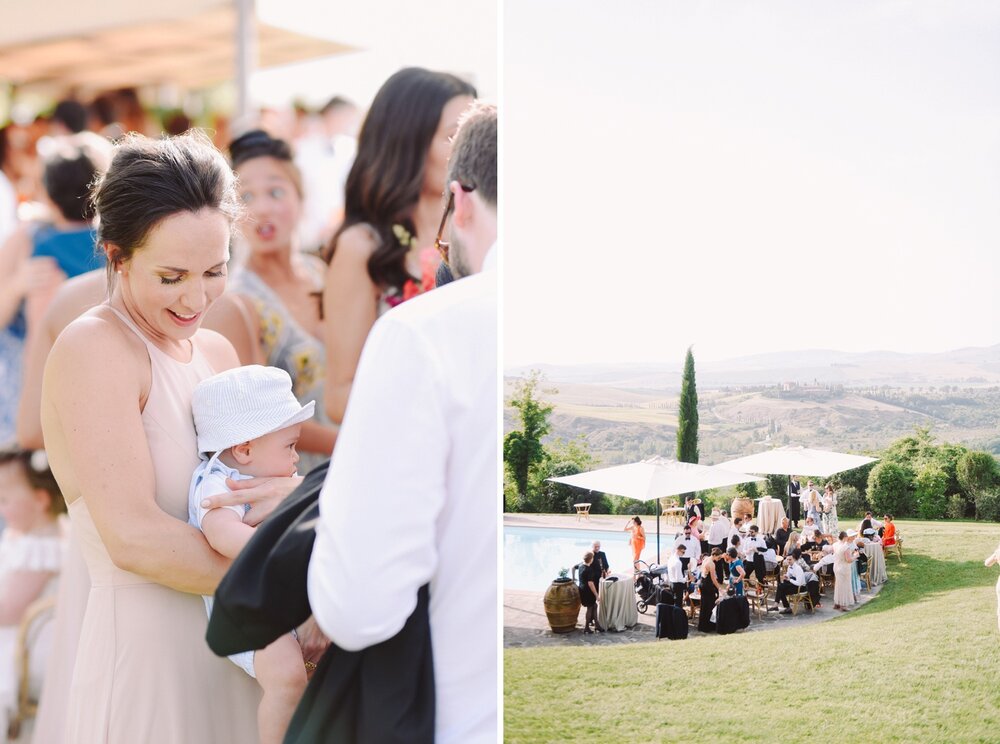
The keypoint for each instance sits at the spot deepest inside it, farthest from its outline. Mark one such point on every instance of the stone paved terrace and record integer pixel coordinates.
(525, 624)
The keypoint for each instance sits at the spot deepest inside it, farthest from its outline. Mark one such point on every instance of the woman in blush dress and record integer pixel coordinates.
(123, 453)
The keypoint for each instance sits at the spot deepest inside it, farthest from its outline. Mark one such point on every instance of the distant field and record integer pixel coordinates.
(627, 424)
(920, 663)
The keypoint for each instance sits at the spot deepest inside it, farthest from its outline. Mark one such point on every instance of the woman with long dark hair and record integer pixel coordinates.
(383, 253)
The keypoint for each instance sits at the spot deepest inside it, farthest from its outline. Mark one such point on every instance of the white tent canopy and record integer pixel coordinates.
(794, 460)
(655, 478)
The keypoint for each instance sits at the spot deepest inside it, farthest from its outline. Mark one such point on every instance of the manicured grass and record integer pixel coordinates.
(920, 663)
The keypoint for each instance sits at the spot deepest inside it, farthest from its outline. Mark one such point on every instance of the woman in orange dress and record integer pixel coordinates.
(888, 532)
(637, 539)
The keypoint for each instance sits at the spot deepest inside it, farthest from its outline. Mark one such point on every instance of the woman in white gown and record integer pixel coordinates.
(843, 590)
(995, 558)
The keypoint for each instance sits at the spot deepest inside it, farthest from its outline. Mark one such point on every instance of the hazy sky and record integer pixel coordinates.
(458, 37)
(749, 177)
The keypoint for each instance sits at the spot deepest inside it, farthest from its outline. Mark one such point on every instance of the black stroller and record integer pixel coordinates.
(650, 587)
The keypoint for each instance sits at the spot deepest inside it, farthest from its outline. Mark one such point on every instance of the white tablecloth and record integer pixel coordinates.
(617, 610)
(770, 512)
(876, 560)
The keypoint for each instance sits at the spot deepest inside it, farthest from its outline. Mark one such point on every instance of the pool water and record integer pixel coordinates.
(532, 556)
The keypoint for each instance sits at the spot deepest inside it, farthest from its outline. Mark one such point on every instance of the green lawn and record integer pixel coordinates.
(920, 663)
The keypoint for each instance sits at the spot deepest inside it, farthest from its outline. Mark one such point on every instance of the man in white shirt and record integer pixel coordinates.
(411, 495)
(754, 547)
(677, 575)
(692, 553)
(794, 583)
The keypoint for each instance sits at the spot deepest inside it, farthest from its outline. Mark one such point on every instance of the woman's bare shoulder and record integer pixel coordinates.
(97, 344)
(217, 349)
(357, 243)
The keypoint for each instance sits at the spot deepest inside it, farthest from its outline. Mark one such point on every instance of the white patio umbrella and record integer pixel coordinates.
(796, 460)
(655, 478)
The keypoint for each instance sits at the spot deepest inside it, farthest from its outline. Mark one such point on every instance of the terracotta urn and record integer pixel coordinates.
(562, 605)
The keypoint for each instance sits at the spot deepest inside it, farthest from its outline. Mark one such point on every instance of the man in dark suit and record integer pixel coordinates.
(794, 507)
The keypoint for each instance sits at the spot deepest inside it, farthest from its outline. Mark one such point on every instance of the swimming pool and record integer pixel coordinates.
(532, 556)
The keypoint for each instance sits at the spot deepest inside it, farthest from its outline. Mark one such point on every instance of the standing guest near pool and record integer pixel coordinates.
(590, 579)
(794, 506)
(711, 590)
(601, 559)
(677, 575)
(993, 560)
(637, 539)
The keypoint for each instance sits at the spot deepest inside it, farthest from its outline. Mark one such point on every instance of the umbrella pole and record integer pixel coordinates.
(658, 510)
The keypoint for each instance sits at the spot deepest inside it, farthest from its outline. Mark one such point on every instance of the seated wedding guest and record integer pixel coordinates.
(754, 548)
(432, 473)
(692, 554)
(736, 572)
(861, 559)
(30, 553)
(677, 574)
(793, 583)
(870, 526)
(810, 528)
(794, 541)
(812, 580)
(781, 536)
(601, 559)
(590, 578)
(889, 532)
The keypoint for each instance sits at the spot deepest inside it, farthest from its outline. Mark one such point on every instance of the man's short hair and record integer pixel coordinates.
(474, 154)
(682, 546)
(71, 114)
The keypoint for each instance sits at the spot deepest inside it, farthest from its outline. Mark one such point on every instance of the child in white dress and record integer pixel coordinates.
(30, 555)
(248, 423)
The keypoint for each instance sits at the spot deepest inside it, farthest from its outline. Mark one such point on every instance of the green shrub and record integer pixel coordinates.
(890, 489)
(629, 507)
(748, 490)
(929, 492)
(988, 505)
(956, 506)
(851, 502)
(977, 472)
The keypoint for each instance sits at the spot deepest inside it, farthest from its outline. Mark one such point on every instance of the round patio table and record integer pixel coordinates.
(770, 512)
(617, 610)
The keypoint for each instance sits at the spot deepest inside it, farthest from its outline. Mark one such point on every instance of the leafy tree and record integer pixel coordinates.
(687, 414)
(777, 486)
(522, 448)
(978, 476)
(851, 502)
(930, 491)
(748, 490)
(890, 489)
(562, 458)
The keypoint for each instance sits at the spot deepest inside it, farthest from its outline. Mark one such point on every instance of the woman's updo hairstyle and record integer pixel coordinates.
(152, 179)
(259, 144)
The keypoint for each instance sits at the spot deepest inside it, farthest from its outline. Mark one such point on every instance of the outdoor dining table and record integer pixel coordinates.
(617, 610)
(770, 512)
(876, 562)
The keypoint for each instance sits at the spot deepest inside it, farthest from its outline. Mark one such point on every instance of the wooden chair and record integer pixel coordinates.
(758, 595)
(582, 510)
(795, 600)
(896, 547)
(35, 617)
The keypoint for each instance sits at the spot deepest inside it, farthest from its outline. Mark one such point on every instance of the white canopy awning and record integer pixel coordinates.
(795, 460)
(655, 478)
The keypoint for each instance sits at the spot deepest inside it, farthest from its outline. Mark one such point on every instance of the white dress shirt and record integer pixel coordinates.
(412, 497)
(718, 533)
(692, 550)
(675, 570)
(796, 575)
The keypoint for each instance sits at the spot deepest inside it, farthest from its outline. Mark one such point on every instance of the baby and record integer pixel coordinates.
(248, 423)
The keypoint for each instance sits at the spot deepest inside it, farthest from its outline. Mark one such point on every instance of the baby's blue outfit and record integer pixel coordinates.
(209, 479)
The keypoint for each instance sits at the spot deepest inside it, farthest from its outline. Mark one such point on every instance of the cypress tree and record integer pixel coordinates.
(687, 415)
